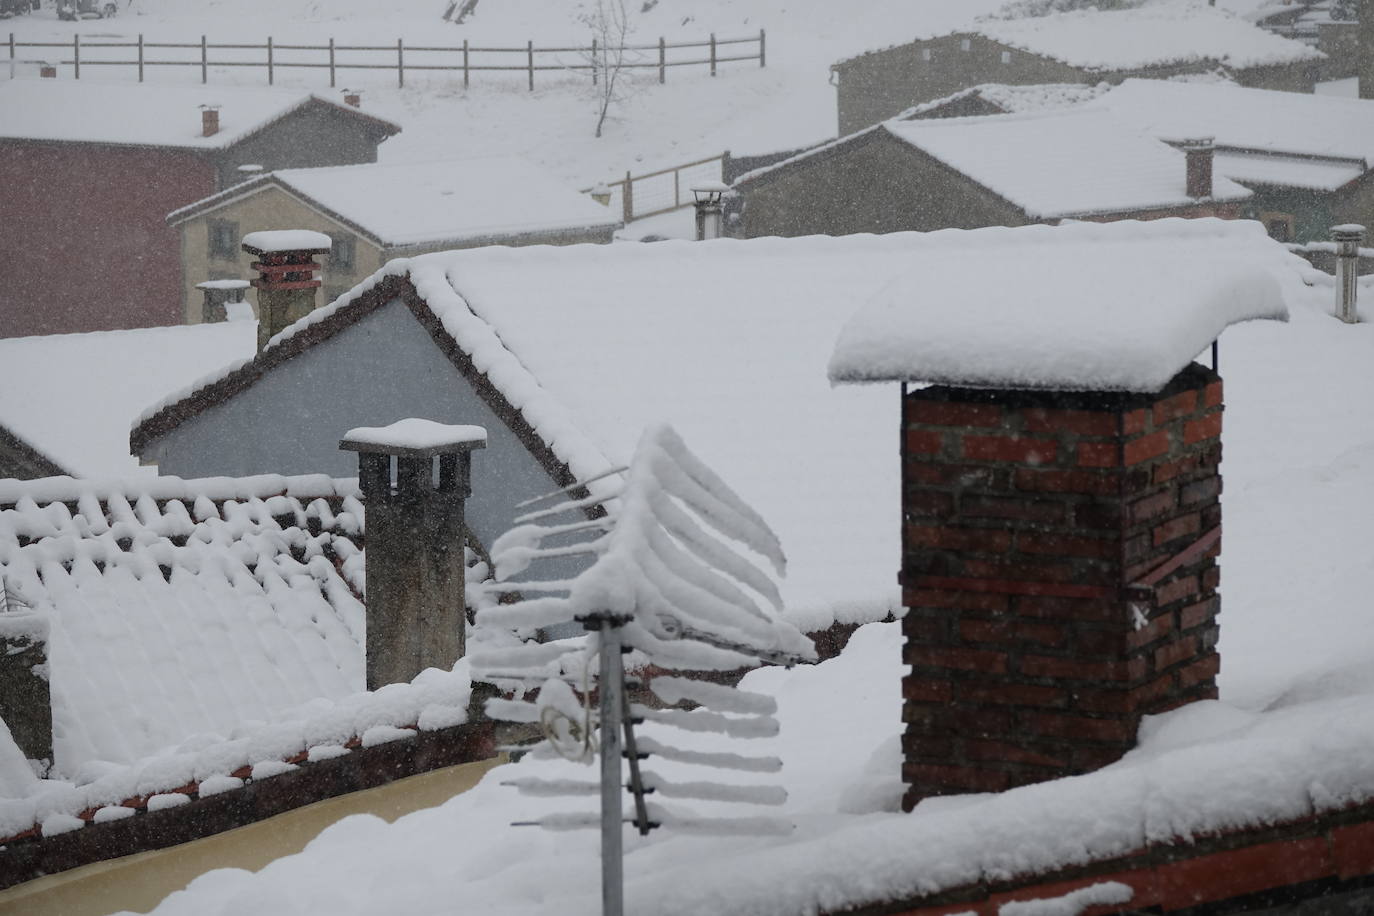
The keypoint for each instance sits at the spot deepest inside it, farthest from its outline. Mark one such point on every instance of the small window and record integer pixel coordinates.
(1006, 57)
(1279, 226)
(965, 44)
(341, 253)
(925, 54)
(224, 239)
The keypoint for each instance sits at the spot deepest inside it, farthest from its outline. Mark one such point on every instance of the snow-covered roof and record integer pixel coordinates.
(1061, 163)
(1032, 97)
(1124, 317)
(1252, 169)
(85, 111)
(185, 608)
(417, 203)
(1159, 34)
(728, 341)
(79, 415)
(1249, 119)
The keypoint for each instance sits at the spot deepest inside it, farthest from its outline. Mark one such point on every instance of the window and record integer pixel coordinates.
(965, 44)
(925, 54)
(1006, 57)
(341, 253)
(224, 239)
(1278, 225)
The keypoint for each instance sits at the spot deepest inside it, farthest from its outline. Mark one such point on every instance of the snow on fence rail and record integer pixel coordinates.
(399, 57)
(662, 191)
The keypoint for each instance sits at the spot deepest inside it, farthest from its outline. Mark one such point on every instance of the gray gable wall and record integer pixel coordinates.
(383, 368)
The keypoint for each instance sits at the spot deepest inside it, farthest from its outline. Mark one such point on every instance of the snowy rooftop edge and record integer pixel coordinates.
(1043, 323)
(260, 486)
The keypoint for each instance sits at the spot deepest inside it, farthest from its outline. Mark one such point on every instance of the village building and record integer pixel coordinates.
(994, 170)
(1084, 46)
(1308, 158)
(374, 213)
(87, 177)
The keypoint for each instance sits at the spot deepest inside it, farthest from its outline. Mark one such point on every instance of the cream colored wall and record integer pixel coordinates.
(139, 882)
(269, 208)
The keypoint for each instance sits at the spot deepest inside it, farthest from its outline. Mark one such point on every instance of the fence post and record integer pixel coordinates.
(140, 57)
(529, 49)
(713, 53)
(400, 63)
(465, 63)
(271, 69)
(76, 54)
(677, 195)
(331, 63)
(662, 60)
(763, 49)
(627, 199)
(594, 60)
(204, 60)
(11, 54)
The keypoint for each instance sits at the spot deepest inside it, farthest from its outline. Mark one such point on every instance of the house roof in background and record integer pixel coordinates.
(425, 203)
(1249, 119)
(1055, 164)
(79, 416)
(1287, 171)
(728, 341)
(1017, 99)
(1181, 32)
(116, 113)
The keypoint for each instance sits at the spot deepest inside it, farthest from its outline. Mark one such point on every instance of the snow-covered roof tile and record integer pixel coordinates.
(1123, 315)
(1061, 163)
(417, 203)
(90, 112)
(79, 415)
(1252, 119)
(1185, 31)
(1287, 171)
(185, 608)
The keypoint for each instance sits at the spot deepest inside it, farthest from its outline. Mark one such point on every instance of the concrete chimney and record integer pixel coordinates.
(415, 476)
(1348, 239)
(1199, 154)
(1059, 566)
(286, 283)
(25, 697)
(209, 120)
(1366, 49)
(219, 295)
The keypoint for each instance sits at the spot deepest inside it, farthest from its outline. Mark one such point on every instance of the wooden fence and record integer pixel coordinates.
(663, 191)
(464, 58)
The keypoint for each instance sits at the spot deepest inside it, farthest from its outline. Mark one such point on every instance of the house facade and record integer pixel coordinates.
(1085, 46)
(375, 213)
(968, 172)
(86, 193)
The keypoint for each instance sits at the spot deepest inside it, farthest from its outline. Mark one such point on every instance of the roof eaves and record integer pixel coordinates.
(824, 150)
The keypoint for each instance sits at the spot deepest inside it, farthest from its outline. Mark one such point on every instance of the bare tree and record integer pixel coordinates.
(610, 27)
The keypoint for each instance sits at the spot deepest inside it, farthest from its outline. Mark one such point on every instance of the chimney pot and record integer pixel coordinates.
(416, 535)
(1348, 238)
(219, 295)
(1199, 153)
(47, 72)
(209, 121)
(286, 282)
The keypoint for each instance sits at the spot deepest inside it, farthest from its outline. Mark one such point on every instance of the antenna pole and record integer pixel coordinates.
(611, 685)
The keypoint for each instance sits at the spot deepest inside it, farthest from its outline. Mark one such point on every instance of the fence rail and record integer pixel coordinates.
(432, 58)
(662, 191)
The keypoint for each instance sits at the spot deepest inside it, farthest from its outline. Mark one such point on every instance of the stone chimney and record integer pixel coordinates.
(209, 120)
(219, 295)
(1199, 154)
(25, 697)
(1059, 564)
(415, 475)
(286, 283)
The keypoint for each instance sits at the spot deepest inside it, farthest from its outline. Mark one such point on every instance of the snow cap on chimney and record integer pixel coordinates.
(1198, 152)
(209, 120)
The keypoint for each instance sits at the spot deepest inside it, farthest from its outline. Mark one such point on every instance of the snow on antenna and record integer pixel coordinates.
(670, 583)
(11, 602)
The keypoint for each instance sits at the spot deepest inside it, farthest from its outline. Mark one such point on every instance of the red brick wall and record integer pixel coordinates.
(84, 244)
(1026, 516)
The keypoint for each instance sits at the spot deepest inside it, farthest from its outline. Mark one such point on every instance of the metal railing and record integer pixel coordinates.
(466, 58)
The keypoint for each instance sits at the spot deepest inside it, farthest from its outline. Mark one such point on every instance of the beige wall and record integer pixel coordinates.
(140, 882)
(268, 208)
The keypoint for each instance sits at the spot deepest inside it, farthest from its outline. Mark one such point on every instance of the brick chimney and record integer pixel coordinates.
(353, 98)
(25, 697)
(1059, 564)
(1199, 154)
(286, 283)
(415, 476)
(209, 120)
